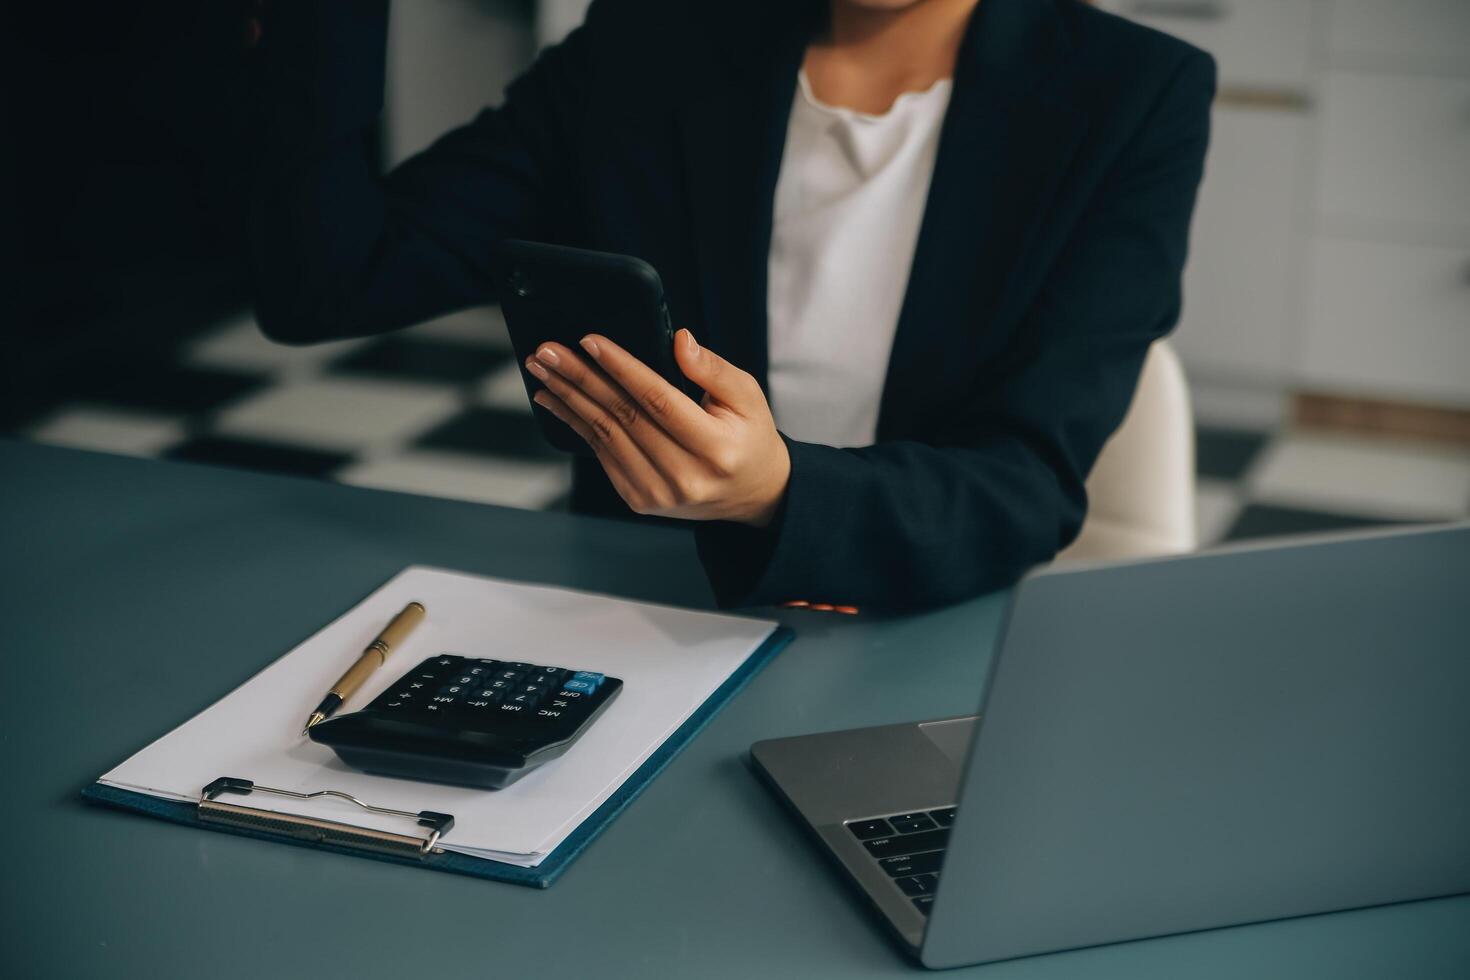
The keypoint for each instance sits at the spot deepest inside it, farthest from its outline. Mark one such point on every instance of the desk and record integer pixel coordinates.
(136, 592)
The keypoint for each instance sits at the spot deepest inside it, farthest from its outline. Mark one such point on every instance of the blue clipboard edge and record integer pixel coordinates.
(557, 861)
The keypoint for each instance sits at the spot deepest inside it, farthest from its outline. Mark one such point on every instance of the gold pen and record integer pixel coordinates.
(372, 658)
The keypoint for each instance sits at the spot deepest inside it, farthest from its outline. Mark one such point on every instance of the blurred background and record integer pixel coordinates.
(1326, 331)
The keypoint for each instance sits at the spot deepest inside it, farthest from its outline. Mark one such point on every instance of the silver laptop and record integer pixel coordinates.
(1171, 745)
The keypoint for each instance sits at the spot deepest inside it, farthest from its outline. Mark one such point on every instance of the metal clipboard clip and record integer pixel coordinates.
(321, 831)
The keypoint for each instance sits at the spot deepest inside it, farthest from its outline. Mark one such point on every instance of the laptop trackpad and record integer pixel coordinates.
(952, 737)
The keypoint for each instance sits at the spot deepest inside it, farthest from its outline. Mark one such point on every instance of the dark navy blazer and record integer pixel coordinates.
(1048, 260)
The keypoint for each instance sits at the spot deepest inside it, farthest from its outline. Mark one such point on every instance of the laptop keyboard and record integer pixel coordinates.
(910, 848)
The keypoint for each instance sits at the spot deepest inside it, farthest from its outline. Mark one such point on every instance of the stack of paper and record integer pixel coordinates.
(670, 661)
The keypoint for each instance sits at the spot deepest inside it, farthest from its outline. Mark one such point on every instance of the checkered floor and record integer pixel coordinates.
(439, 409)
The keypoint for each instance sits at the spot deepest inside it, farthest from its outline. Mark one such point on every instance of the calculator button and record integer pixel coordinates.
(943, 817)
(512, 665)
(589, 677)
(572, 696)
(465, 678)
(442, 662)
(444, 699)
(511, 706)
(481, 671)
(456, 689)
(510, 675)
(529, 699)
(923, 902)
(550, 714)
(503, 686)
(529, 687)
(404, 695)
(479, 704)
(394, 705)
(426, 675)
(575, 686)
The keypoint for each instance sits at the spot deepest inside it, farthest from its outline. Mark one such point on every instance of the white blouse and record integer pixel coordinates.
(849, 200)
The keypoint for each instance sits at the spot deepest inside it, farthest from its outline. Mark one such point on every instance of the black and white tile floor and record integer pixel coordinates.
(438, 409)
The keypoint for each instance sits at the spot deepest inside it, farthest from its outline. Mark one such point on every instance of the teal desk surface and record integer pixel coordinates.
(136, 592)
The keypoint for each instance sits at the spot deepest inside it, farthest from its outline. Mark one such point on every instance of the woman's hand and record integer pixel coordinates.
(720, 459)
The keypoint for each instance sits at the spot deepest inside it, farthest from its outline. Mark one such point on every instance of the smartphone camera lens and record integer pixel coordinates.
(519, 283)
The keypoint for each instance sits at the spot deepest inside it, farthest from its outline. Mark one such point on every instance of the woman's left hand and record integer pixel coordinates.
(718, 459)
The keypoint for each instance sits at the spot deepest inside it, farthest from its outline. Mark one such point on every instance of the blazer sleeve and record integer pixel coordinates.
(1000, 488)
(336, 250)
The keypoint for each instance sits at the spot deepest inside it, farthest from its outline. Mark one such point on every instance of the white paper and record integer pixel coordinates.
(670, 661)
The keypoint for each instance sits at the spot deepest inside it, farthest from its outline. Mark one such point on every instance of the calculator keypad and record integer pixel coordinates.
(487, 694)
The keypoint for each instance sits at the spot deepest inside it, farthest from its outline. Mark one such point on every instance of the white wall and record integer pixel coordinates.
(448, 59)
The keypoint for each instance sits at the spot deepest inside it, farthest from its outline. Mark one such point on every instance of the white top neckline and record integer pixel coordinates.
(939, 89)
(849, 201)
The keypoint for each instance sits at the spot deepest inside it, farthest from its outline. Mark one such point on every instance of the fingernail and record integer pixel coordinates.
(693, 344)
(590, 346)
(540, 399)
(537, 369)
(547, 356)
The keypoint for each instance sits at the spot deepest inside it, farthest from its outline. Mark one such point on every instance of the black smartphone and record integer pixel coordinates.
(555, 293)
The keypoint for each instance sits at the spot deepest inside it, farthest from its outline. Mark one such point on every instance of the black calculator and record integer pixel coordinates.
(483, 723)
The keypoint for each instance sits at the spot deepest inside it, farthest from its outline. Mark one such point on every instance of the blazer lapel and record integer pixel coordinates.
(1003, 147)
(734, 131)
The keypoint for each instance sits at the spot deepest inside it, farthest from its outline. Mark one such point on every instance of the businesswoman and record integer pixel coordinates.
(919, 249)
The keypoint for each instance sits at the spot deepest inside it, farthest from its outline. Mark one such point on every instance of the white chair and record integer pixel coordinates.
(1141, 491)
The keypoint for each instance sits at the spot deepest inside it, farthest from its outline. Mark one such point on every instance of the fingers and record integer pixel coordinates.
(721, 380)
(637, 497)
(605, 405)
(660, 402)
(607, 431)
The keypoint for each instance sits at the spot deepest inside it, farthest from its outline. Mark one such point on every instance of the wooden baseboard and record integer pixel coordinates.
(1366, 416)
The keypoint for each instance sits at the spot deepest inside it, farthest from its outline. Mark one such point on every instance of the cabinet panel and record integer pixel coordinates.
(1389, 320)
(1259, 43)
(1238, 283)
(1417, 35)
(1395, 148)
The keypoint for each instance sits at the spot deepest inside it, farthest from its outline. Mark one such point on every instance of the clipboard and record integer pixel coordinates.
(223, 805)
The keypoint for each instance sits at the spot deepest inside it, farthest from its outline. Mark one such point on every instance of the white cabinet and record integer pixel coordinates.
(1385, 319)
(1259, 43)
(1240, 284)
(1331, 245)
(1243, 256)
(1387, 285)
(1410, 35)
(1395, 149)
